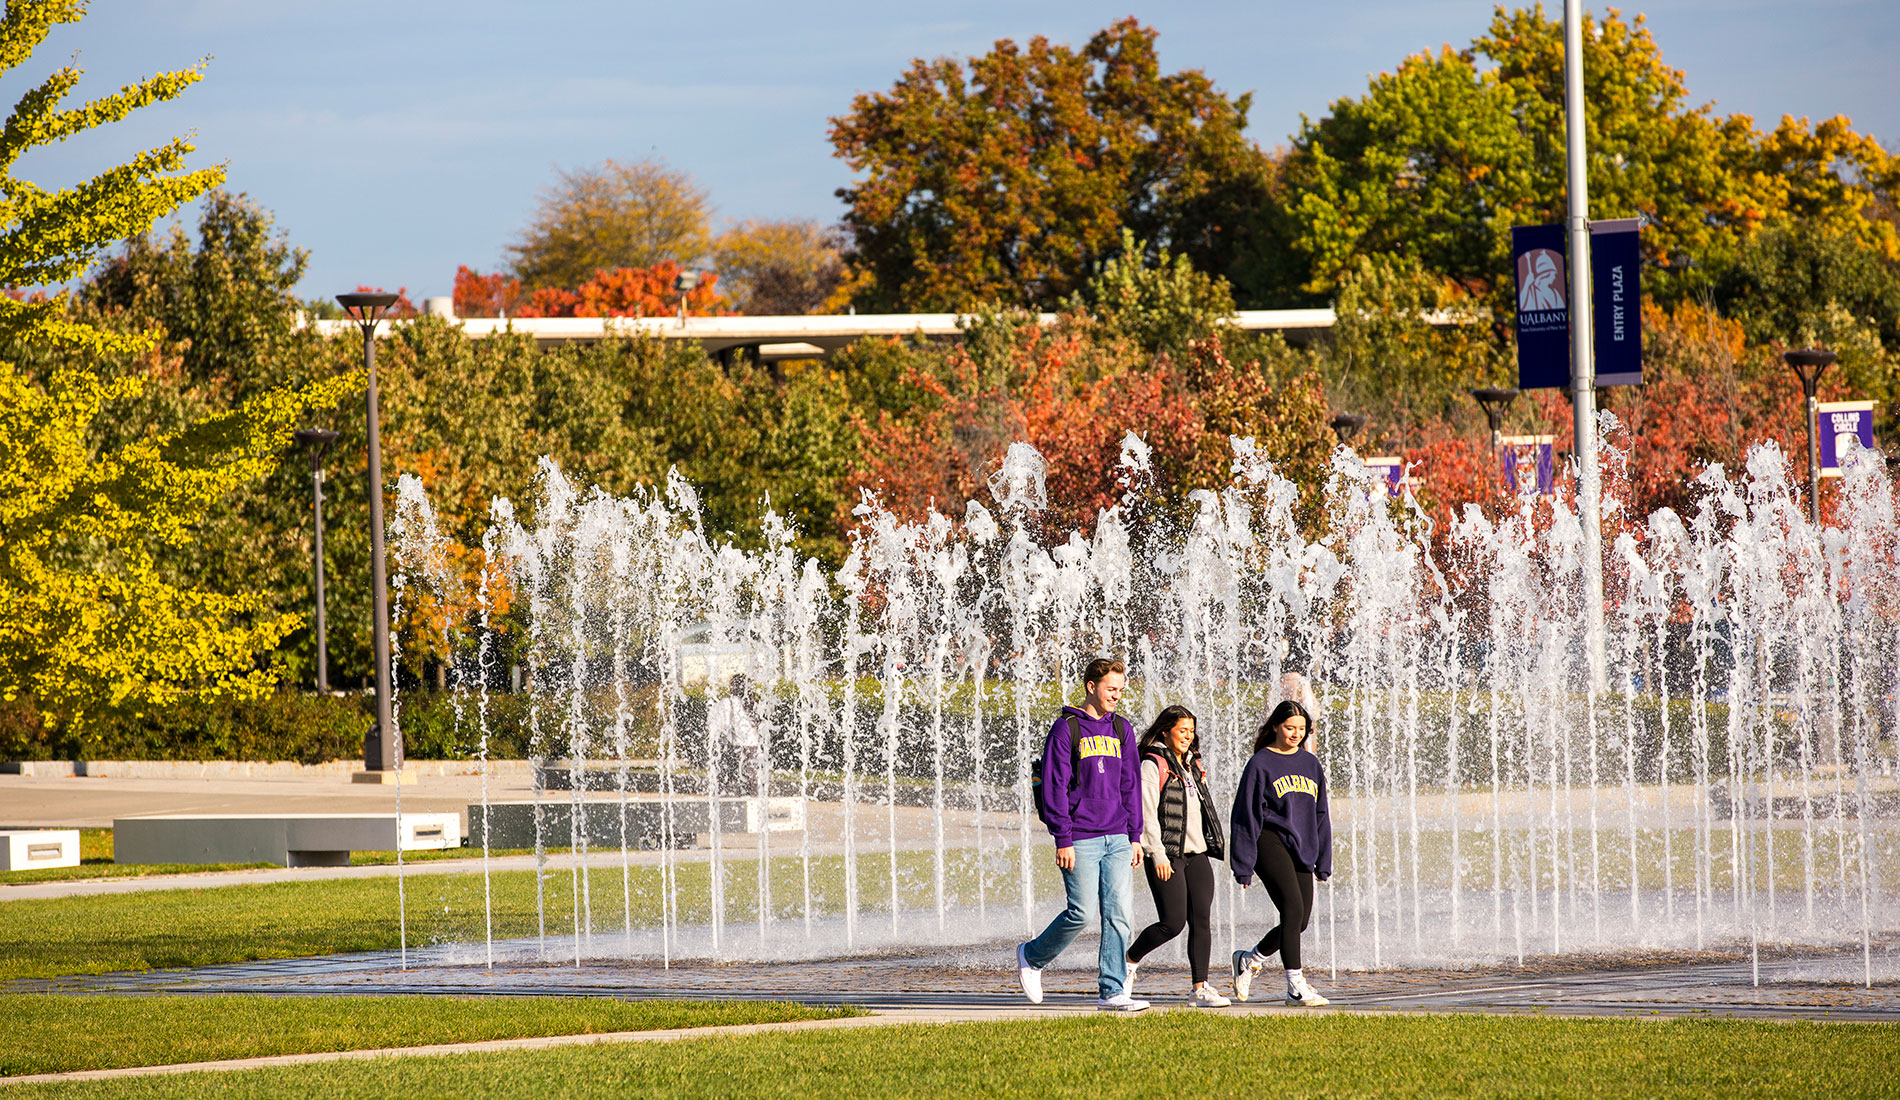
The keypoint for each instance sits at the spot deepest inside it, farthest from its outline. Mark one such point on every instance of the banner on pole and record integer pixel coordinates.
(1392, 469)
(1543, 307)
(1530, 463)
(1843, 425)
(1616, 301)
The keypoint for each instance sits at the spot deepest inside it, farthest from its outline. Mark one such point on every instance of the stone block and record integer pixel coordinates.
(290, 840)
(33, 849)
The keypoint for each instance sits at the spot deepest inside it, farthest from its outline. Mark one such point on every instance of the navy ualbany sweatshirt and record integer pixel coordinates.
(1285, 793)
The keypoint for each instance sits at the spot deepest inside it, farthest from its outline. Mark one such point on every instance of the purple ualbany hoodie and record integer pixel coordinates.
(1092, 788)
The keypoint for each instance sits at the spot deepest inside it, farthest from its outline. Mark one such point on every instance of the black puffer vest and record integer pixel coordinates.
(1173, 808)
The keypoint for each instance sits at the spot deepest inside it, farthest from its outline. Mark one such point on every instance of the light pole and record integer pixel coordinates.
(1583, 371)
(1809, 364)
(318, 442)
(1494, 402)
(685, 282)
(1347, 425)
(380, 747)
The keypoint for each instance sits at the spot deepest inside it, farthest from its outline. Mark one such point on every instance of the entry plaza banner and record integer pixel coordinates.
(1530, 463)
(1616, 301)
(1842, 425)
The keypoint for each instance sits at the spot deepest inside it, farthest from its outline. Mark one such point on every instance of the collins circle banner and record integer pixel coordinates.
(1842, 425)
(1616, 301)
(1543, 307)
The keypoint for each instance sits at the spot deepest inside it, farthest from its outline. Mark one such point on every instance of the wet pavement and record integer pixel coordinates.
(1716, 984)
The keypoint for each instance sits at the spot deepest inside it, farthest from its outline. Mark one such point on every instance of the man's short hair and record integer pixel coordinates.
(1100, 667)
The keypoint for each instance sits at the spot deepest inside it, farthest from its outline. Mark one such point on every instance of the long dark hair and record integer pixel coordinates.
(1158, 733)
(1287, 709)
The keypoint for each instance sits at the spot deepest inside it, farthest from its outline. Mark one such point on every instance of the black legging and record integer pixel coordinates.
(1184, 900)
(1292, 892)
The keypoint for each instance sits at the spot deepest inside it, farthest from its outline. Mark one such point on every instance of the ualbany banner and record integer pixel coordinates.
(1543, 307)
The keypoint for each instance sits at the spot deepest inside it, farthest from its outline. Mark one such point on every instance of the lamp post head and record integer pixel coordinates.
(1493, 402)
(1809, 364)
(315, 440)
(1347, 425)
(366, 307)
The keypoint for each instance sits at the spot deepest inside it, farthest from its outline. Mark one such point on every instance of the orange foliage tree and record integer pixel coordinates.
(1056, 391)
(619, 292)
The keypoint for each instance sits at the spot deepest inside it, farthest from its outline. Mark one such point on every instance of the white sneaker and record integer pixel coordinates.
(1205, 997)
(1029, 976)
(1300, 994)
(1128, 986)
(1244, 966)
(1120, 1002)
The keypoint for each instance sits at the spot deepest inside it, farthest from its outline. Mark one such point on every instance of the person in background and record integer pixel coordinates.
(735, 729)
(1181, 836)
(1088, 791)
(1283, 833)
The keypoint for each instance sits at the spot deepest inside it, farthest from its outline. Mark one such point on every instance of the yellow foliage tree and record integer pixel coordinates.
(87, 622)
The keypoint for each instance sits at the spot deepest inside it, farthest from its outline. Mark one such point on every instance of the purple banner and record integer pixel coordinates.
(1529, 463)
(1842, 423)
(1616, 301)
(1543, 307)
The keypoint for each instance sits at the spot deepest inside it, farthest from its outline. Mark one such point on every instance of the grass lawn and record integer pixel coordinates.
(1177, 1053)
(50, 937)
(55, 1034)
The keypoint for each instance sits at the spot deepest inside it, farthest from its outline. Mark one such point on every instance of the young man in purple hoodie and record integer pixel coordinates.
(1089, 794)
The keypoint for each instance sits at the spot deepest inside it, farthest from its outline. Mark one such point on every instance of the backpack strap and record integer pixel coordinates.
(1160, 757)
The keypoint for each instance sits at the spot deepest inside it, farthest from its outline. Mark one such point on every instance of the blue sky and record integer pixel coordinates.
(395, 141)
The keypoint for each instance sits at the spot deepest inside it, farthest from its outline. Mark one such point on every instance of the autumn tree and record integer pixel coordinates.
(778, 268)
(608, 216)
(88, 619)
(620, 292)
(1009, 177)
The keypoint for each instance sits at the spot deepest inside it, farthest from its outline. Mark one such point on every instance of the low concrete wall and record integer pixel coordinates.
(248, 769)
(290, 840)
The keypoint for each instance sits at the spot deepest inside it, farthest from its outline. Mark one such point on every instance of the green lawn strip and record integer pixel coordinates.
(1172, 1053)
(59, 1034)
(53, 937)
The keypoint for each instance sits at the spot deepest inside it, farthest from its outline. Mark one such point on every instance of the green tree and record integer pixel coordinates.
(1440, 158)
(88, 621)
(1010, 178)
(1160, 306)
(609, 216)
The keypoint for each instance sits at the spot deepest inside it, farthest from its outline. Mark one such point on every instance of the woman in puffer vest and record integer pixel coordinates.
(1181, 838)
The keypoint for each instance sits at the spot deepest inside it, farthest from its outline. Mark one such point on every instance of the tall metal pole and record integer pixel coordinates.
(1582, 364)
(379, 747)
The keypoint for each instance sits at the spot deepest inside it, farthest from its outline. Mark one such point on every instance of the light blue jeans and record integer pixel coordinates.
(1101, 878)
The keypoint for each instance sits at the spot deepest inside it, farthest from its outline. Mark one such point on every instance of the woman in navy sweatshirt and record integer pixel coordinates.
(1282, 832)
